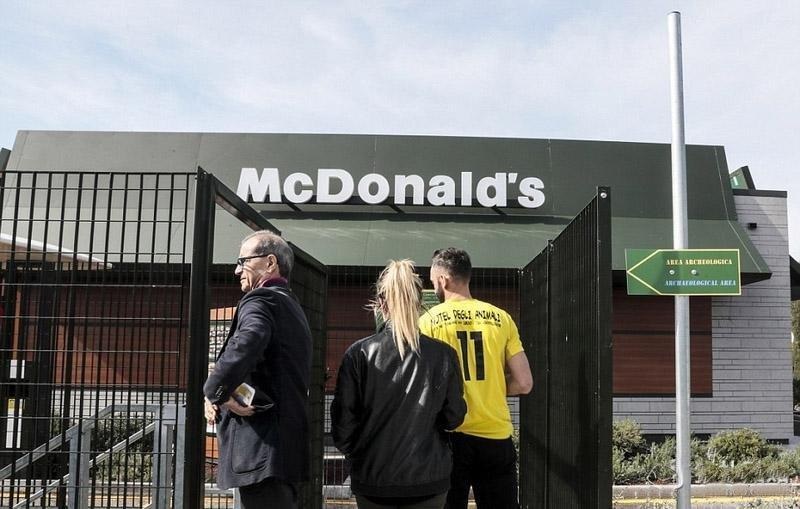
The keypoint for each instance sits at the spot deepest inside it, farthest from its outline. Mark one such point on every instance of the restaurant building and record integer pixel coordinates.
(355, 201)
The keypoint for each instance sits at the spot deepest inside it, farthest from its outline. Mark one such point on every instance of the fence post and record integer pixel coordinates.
(79, 458)
(180, 454)
(162, 456)
(197, 366)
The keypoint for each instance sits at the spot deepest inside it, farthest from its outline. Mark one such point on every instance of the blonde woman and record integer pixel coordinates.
(397, 394)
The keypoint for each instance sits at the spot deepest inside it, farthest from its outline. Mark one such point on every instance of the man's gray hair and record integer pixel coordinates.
(270, 243)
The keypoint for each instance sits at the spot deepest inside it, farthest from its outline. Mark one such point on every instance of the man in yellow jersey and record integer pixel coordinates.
(494, 366)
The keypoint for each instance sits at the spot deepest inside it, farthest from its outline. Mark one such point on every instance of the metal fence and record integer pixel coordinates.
(565, 434)
(109, 297)
(106, 291)
(212, 303)
(94, 282)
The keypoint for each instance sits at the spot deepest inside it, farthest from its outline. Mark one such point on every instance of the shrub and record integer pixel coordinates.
(132, 463)
(792, 460)
(742, 455)
(731, 456)
(626, 436)
(634, 461)
(738, 446)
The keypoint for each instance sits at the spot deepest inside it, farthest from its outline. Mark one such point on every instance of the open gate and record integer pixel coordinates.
(565, 423)
(214, 291)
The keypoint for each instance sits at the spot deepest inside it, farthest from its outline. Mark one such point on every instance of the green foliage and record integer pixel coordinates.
(731, 456)
(627, 470)
(626, 436)
(792, 460)
(738, 446)
(634, 461)
(742, 455)
(134, 462)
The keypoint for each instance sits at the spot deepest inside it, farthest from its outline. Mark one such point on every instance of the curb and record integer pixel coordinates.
(651, 491)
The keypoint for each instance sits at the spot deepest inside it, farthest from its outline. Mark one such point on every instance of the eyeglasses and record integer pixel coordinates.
(240, 261)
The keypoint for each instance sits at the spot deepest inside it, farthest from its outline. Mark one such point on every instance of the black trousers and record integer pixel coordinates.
(489, 466)
(434, 502)
(270, 493)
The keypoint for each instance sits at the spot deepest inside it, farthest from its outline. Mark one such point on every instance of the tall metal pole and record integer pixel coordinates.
(680, 240)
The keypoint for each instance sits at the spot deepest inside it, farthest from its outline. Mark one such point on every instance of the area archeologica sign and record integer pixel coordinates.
(683, 271)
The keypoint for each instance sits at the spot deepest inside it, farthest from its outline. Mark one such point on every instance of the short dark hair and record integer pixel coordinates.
(454, 261)
(269, 243)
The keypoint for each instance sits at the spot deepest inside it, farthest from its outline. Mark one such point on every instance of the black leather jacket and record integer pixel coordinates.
(389, 416)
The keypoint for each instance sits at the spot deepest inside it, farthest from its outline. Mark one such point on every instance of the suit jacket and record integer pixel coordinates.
(269, 347)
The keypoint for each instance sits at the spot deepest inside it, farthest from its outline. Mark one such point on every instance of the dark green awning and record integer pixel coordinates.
(496, 244)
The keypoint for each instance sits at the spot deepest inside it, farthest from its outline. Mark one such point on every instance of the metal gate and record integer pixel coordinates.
(565, 424)
(93, 344)
(309, 283)
(104, 333)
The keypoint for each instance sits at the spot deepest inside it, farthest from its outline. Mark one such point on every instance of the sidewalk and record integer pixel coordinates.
(704, 496)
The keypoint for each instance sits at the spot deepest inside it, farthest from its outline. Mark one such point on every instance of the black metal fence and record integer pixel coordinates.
(109, 298)
(106, 291)
(565, 434)
(210, 297)
(94, 282)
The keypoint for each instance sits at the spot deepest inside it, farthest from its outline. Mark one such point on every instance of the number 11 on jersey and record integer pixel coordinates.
(467, 338)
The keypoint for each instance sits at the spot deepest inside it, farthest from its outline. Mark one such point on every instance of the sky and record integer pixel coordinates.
(525, 69)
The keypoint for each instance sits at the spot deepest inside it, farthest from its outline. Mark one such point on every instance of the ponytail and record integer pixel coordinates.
(399, 291)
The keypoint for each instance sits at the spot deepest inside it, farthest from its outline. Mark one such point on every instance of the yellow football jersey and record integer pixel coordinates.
(484, 336)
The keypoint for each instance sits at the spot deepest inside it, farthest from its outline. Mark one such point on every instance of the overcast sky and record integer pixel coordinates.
(535, 69)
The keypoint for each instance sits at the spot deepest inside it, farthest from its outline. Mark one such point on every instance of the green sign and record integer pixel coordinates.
(683, 271)
(429, 299)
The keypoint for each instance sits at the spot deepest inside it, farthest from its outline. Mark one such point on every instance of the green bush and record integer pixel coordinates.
(792, 459)
(135, 462)
(730, 456)
(661, 462)
(737, 446)
(636, 462)
(626, 436)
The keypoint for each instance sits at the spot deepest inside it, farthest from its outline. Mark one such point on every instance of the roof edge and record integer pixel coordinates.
(759, 192)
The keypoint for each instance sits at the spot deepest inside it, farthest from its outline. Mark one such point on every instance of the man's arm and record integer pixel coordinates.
(243, 351)
(518, 376)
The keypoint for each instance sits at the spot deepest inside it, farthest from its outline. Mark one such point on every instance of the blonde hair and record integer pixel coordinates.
(399, 298)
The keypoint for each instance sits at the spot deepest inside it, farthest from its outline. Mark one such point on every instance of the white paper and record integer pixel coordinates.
(245, 394)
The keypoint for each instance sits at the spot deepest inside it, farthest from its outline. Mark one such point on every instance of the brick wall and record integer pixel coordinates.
(751, 349)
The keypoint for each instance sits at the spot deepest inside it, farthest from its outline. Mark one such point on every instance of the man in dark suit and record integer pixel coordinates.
(264, 445)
